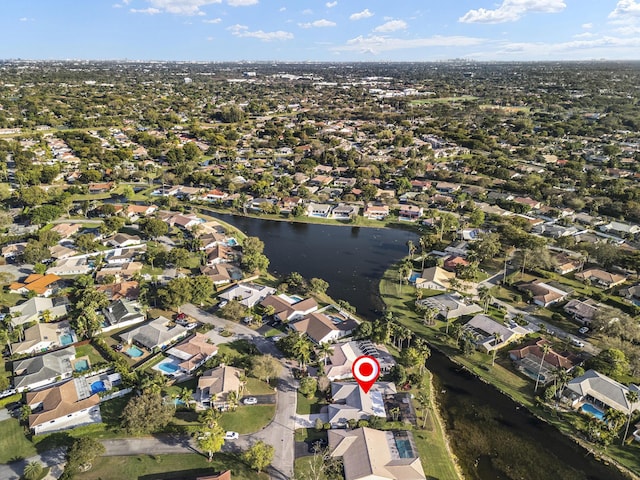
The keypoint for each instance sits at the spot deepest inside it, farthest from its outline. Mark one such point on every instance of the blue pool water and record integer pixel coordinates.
(591, 410)
(66, 339)
(232, 242)
(81, 365)
(414, 276)
(134, 352)
(98, 387)
(404, 448)
(177, 402)
(168, 367)
(295, 298)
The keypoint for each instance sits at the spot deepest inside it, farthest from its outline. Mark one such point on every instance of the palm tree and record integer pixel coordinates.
(32, 470)
(613, 418)
(485, 297)
(412, 249)
(497, 338)
(423, 400)
(243, 383)
(545, 350)
(186, 396)
(325, 350)
(430, 315)
(210, 417)
(632, 398)
(561, 378)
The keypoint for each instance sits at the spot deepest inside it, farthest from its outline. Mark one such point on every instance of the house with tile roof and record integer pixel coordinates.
(156, 334)
(47, 369)
(215, 385)
(43, 285)
(287, 308)
(339, 363)
(321, 328)
(122, 313)
(128, 290)
(529, 360)
(601, 391)
(542, 293)
(490, 335)
(601, 278)
(193, 352)
(43, 336)
(248, 294)
(31, 310)
(369, 454)
(62, 407)
(349, 402)
(435, 278)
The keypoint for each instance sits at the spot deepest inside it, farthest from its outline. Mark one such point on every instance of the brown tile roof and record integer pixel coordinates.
(552, 358)
(58, 402)
(220, 381)
(115, 291)
(36, 283)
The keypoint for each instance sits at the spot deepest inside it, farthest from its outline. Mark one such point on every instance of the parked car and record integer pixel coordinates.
(577, 343)
(250, 401)
(231, 436)
(222, 304)
(583, 330)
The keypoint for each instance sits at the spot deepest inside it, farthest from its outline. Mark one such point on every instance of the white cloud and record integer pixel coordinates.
(24, 19)
(360, 15)
(307, 11)
(242, 31)
(186, 7)
(391, 26)
(512, 10)
(148, 11)
(587, 26)
(331, 4)
(584, 35)
(213, 20)
(241, 3)
(116, 5)
(318, 24)
(628, 30)
(283, 9)
(376, 43)
(625, 9)
(534, 50)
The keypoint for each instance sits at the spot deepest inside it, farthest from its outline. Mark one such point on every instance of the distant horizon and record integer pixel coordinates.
(320, 30)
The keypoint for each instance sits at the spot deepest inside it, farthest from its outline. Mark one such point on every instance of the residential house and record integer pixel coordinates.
(215, 385)
(340, 361)
(47, 369)
(13, 250)
(193, 352)
(349, 402)
(446, 187)
(120, 240)
(66, 230)
(491, 335)
(529, 360)
(600, 391)
(319, 210)
(369, 454)
(248, 294)
(345, 212)
(529, 202)
(119, 256)
(41, 285)
(71, 266)
(100, 187)
(61, 252)
(287, 308)
(287, 204)
(128, 290)
(321, 328)
(410, 213)
(450, 305)
(31, 310)
(43, 336)
(221, 273)
(219, 254)
(211, 239)
(122, 313)
(543, 294)
(157, 334)
(620, 228)
(214, 195)
(601, 278)
(122, 272)
(62, 407)
(582, 311)
(134, 212)
(454, 262)
(565, 264)
(376, 212)
(435, 278)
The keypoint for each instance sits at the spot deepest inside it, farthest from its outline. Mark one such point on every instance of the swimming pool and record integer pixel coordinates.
(168, 367)
(232, 242)
(134, 352)
(66, 339)
(81, 365)
(98, 387)
(591, 410)
(404, 448)
(414, 276)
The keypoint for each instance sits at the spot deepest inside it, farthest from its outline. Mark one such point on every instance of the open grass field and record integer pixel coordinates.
(185, 467)
(13, 443)
(306, 406)
(248, 418)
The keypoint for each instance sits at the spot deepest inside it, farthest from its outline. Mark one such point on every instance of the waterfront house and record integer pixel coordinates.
(289, 308)
(369, 454)
(435, 278)
(321, 328)
(529, 360)
(490, 335)
(349, 402)
(600, 391)
(340, 361)
(376, 212)
(450, 305)
(319, 210)
(345, 212)
(410, 213)
(248, 294)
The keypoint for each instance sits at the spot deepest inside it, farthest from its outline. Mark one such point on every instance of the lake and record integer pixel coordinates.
(492, 437)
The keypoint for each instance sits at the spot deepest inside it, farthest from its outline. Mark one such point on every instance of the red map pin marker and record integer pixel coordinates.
(366, 371)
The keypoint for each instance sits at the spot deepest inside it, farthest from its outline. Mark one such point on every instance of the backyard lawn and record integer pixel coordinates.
(248, 419)
(185, 467)
(89, 350)
(306, 406)
(257, 387)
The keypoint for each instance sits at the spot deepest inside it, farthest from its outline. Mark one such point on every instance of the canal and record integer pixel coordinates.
(492, 437)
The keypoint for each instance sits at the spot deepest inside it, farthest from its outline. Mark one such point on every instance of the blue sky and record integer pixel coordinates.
(334, 30)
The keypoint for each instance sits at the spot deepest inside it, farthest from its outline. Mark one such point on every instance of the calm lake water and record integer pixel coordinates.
(492, 437)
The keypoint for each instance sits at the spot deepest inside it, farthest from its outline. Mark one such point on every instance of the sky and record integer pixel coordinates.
(320, 30)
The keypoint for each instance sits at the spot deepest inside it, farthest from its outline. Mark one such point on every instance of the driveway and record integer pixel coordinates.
(309, 421)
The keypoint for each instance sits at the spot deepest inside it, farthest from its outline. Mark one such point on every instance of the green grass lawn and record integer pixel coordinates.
(309, 434)
(306, 406)
(257, 387)
(8, 299)
(303, 468)
(248, 419)
(94, 356)
(184, 467)
(13, 443)
(272, 332)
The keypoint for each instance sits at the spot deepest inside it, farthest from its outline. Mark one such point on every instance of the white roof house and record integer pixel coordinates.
(248, 294)
(351, 403)
(602, 390)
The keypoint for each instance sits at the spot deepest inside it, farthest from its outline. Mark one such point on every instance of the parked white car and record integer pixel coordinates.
(250, 401)
(231, 436)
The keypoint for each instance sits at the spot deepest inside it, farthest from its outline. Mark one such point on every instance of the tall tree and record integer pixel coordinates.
(632, 398)
(545, 349)
(259, 456)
